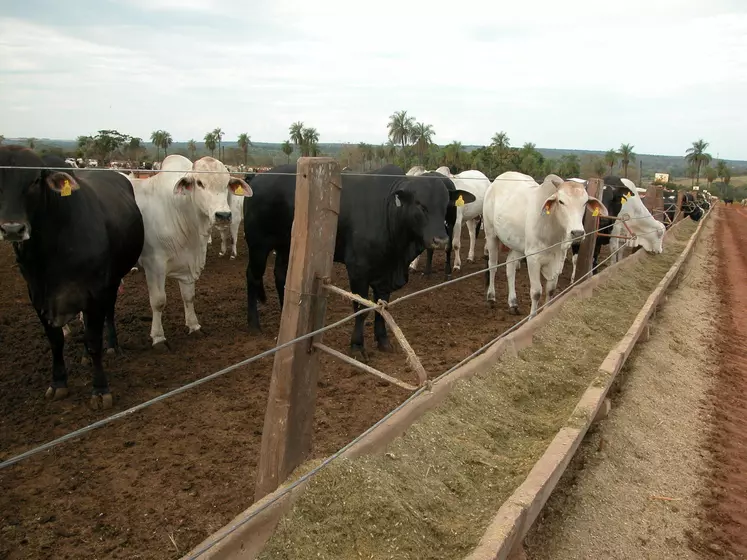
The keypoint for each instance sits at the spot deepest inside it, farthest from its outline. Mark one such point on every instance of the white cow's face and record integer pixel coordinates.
(212, 204)
(568, 205)
(651, 235)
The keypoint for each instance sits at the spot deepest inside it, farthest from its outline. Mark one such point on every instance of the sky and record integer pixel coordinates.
(578, 74)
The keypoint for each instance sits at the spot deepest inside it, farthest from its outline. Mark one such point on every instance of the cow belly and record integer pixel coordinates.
(65, 302)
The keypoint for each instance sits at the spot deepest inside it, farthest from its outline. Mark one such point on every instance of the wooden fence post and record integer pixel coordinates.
(650, 201)
(586, 251)
(289, 417)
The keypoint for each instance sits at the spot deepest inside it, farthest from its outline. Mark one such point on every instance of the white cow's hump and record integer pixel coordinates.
(175, 162)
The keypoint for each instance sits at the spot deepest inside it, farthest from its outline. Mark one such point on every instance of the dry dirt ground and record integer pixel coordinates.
(156, 483)
(634, 489)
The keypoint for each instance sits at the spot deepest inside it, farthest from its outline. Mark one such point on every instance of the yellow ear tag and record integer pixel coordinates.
(67, 190)
(624, 199)
(239, 190)
(595, 212)
(459, 201)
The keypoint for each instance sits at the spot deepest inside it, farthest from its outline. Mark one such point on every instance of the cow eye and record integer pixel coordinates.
(561, 202)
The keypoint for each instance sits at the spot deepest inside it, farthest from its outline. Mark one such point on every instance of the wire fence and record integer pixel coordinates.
(95, 425)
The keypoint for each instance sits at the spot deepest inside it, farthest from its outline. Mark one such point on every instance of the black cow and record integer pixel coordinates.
(613, 192)
(76, 234)
(386, 219)
(728, 201)
(690, 207)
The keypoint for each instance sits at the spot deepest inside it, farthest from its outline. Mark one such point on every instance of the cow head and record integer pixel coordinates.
(210, 191)
(568, 204)
(648, 231)
(614, 194)
(22, 191)
(423, 202)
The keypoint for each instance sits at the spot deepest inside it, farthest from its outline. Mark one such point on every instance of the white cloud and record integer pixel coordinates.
(577, 74)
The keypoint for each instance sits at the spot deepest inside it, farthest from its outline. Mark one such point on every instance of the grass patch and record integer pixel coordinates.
(433, 493)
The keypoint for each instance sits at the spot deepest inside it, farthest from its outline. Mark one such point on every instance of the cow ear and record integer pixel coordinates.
(460, 198)
(596, 207)
(549, 203)
(185, 185)
(239, 187)
(403, 196)
(62, 183)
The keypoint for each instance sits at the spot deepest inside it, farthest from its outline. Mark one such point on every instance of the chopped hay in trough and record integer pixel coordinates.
(434, 491)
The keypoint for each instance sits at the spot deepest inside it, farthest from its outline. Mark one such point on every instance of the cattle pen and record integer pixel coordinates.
(157, 483)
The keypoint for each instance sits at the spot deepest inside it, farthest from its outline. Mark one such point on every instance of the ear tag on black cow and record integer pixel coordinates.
(459, 201)
(624, 199)
(66, 190)
(397, 201)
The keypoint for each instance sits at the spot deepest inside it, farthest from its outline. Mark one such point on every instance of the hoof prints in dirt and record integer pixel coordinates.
(183, 468)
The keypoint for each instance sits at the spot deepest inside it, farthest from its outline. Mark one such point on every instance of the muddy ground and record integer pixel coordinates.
(155, 484)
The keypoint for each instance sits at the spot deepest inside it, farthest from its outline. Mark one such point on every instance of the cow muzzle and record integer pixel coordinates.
(14, 231)
(223, 217)
(576, 235)
(439, 243)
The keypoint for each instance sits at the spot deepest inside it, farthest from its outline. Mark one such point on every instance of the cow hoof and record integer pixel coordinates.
(233, 257)
(221, 254)
(448, 277)
(162, 347)
(457, 268)
(199, 333)
(491, 303)
(514, 311)
(471, 261)
(102, 402)
(85, 361)
(385, 346)
(56, 393)
(359, 354)
(111, 351)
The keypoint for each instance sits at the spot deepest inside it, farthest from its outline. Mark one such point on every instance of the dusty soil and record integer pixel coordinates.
(632, 489)
(155, 484)
(724, 523)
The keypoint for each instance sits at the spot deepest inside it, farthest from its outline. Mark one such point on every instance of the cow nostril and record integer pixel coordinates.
(223, 216)
(576, 234)
(13, 228)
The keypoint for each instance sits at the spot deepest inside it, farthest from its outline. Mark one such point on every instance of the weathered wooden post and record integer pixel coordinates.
(650, 201)
(286, 437)
(586, 251)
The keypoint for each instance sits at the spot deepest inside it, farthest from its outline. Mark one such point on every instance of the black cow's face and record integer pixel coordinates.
(613, 196)
(22, 189)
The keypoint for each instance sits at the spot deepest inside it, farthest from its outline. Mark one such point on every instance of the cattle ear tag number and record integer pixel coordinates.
(239, 190)
(459, 201)
(67, 190)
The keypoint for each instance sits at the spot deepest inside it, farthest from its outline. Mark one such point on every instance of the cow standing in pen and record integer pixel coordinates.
(76, 234)
(386, 219)
(538, 222)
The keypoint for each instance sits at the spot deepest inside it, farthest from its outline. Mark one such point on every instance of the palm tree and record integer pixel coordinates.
(711, 175)
(381, 153)
(422, 136)
(192, 149)
(697, 156)
(211, 143)
(599, 167)
(218, 134)
(244, 142)
(626, 157)
(722, 169)
(400, 128)
(453, 153)
(287, 148)
(500, 140)
(610, 158)
(166, 141)
(296, 133)
(310, 137)
(156, 138)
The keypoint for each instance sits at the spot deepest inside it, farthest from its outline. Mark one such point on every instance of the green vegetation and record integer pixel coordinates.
(438, 486)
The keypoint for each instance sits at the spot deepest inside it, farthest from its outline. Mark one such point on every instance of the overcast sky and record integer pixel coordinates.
(584, 74)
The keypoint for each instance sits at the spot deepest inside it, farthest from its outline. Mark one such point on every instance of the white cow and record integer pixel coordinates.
(179, 208)
(648, 231)
(236, 205)
(536, 221)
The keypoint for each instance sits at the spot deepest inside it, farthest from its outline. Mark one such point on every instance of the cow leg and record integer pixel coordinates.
(95, 314)
(449, 248)
(281, 273)
(456, 243)
(234, 237)
(491, 245)
(188, 297)
(472, 230)
(428, 262)
(224, 233)
(255, 289)
(414, 263)
(535, 283)
(574, 260)
(551, 274)
(512, 265)
(595, 260)
(155, 276)
(357, 346)
(58, 389)
(382, 338)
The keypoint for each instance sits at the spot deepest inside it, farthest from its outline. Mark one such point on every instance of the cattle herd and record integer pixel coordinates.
(77, 233)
